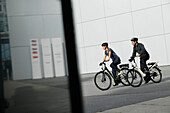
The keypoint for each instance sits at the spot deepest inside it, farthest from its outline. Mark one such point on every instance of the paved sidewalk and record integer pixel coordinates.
(49, 95)
(52, 95)
(161, 105)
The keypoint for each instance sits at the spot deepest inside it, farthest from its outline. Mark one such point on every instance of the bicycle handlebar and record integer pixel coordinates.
(132, 59)
(102, 63)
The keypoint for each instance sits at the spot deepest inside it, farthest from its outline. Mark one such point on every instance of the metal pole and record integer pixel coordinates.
(74, 81)
(1, 83)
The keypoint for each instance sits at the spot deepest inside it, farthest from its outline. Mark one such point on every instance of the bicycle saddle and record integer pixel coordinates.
(124, 65)
(151, 63)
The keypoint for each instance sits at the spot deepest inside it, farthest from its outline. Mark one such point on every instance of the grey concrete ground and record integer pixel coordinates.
(161, 105)
(52, 96)
(148, 98)
(38, 96)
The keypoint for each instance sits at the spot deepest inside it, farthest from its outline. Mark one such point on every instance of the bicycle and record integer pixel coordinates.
(103, 79)
(135, 75)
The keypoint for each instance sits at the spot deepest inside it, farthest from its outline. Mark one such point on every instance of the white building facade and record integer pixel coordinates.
(96, 21)
(116, 22)
(33, 19)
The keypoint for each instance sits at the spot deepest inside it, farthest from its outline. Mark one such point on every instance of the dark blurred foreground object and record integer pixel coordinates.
(74, 81)
(1, 84)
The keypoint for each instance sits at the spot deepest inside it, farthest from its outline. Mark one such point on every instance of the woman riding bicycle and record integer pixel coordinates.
(115, 61)
(144, 56)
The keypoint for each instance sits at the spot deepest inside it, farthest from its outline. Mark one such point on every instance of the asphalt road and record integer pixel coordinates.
(96, 100)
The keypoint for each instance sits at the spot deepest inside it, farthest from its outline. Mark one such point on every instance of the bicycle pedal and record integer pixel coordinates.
(147, 79)
(154, 74)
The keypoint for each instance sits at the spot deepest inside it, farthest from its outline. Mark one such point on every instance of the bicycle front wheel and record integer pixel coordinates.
(102, 80)
(156, 75)
(134, 78)
(123, 77)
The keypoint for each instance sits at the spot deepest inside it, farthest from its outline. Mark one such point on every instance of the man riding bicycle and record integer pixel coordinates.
(115, 61)
(144, 56)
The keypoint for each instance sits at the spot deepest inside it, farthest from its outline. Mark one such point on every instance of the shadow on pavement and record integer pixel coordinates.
(38, 96)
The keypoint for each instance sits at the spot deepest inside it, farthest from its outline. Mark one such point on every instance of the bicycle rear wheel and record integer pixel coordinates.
(124, 77)
(156, 75)
(102, 80)
(134, 78)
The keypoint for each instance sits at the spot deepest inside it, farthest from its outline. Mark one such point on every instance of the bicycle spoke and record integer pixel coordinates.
(102, 81)
(123, 77)
(156, 75)
(134, 78)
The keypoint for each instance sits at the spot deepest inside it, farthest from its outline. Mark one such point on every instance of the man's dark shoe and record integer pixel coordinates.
(147, 78)
(154, 74)
(146, 81)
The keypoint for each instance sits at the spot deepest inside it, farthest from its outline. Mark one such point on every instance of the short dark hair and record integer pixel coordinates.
(135, 39)
(105, 44)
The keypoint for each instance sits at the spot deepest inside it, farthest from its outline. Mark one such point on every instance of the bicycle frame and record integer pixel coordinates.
(134, 65)
(118, 78)
(106, 69)
(153, 66)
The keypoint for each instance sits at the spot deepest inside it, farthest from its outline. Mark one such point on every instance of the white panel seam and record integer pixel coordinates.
(167, 56)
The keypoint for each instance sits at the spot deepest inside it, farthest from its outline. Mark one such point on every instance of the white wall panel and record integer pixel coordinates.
(76, 9)
(25, 27)
(113, 7)
(15, 42)
(17, 27)
(165, 1)
(14, 7)
(34, 27)
(82, 60)
(166, 17)
(94, 55)
(91, 9)
(21, 30)
(94, 32)
(21, 70)
(156, 48)
(168, 47)
(148, 22)
(50, 6)
(119, 27)
(33, 7)
(79, 35)
(52, 25)
(123, 50)
(141, 4)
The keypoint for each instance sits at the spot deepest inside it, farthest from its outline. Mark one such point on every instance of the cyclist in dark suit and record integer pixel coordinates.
(115, 60)
(144, 56)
